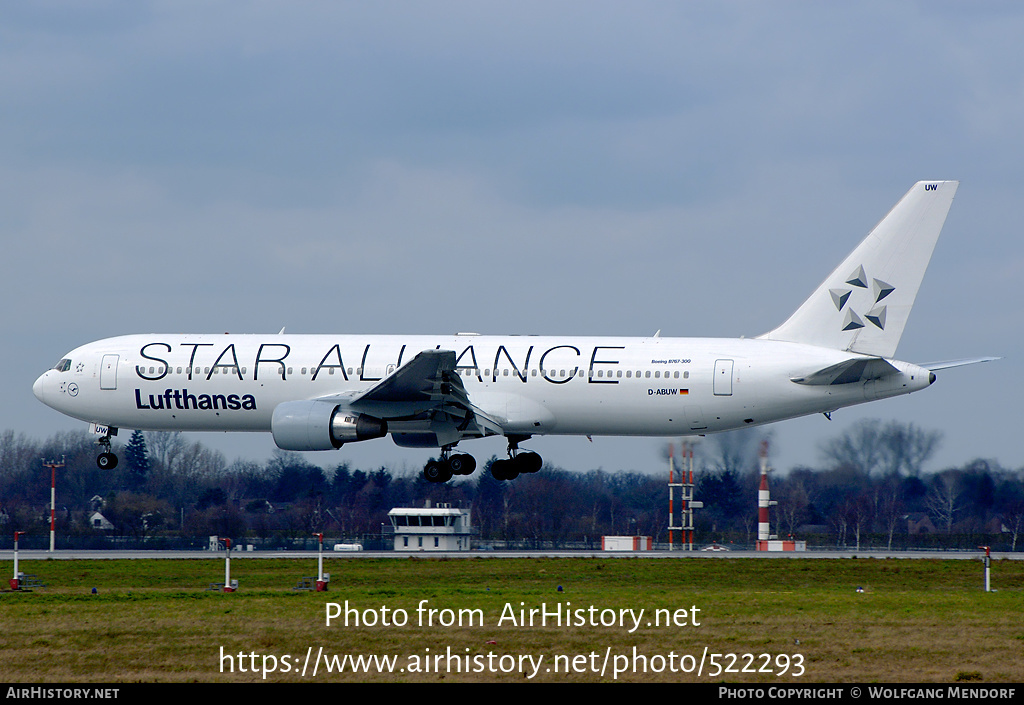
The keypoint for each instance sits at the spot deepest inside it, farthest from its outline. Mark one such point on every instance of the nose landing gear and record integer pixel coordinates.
(106, 459)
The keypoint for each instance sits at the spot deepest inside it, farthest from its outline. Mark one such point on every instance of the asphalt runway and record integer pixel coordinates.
(719, 555)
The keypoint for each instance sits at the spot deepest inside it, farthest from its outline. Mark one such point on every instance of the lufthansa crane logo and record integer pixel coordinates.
(878, 289)
(69, 388)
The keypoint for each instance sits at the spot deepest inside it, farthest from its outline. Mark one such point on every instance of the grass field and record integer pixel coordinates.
(914, 621)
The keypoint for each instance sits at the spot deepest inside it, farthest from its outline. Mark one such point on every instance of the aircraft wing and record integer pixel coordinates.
(424, 393)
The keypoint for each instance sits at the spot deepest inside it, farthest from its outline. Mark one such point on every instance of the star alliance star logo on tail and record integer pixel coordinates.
(859, 280)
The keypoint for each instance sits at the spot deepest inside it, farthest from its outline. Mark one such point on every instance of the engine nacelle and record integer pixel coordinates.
(321, 425)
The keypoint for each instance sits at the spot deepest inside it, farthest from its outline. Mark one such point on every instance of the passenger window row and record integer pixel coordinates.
(65, 364)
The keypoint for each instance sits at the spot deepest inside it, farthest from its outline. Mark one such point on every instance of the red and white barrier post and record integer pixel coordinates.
(16, 580)
(321, 580)
(228, 587)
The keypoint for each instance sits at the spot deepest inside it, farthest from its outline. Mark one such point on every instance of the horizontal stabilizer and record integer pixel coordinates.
(932, 366)
(858, 369)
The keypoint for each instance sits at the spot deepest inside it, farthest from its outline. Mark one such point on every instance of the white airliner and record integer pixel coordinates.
(318, 392)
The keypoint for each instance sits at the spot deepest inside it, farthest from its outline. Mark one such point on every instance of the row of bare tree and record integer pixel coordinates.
(871, 490)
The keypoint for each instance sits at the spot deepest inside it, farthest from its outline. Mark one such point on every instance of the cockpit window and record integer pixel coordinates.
(64, 365)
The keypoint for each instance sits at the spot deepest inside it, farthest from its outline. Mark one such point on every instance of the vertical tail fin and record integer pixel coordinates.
(864, 304)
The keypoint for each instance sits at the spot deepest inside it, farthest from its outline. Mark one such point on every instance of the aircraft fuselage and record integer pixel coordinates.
(534, 385)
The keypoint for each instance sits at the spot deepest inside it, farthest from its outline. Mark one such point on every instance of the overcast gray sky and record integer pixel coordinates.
(531, 167)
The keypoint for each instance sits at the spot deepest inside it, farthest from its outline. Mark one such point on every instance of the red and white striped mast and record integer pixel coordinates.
(689, 505)
(763, 500)
(671, 487)
(53, 465)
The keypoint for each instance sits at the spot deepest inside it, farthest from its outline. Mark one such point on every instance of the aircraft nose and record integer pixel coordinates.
(39, 386)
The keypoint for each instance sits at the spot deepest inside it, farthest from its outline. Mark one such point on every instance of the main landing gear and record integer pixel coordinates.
(442, 469)
(106, 459)
(519, 461)
(449, 464)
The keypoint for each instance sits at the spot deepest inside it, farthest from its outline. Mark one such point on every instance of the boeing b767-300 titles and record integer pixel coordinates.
(319, 392)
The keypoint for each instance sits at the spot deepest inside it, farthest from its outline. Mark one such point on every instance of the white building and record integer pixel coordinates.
(99, 522)
(440, 528)
(627, 543)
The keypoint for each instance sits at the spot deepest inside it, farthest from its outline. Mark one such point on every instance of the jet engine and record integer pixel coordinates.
(320, 425)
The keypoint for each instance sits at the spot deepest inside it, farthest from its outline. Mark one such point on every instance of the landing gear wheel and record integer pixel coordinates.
(437, 471)
(106, 460)
(519, 461)
(528, 461)
(462, 464)
(504, 470)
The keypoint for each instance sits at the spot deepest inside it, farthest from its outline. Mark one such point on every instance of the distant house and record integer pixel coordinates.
(919, 523)
(997, 525)
(99, 522)
(257, 506)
